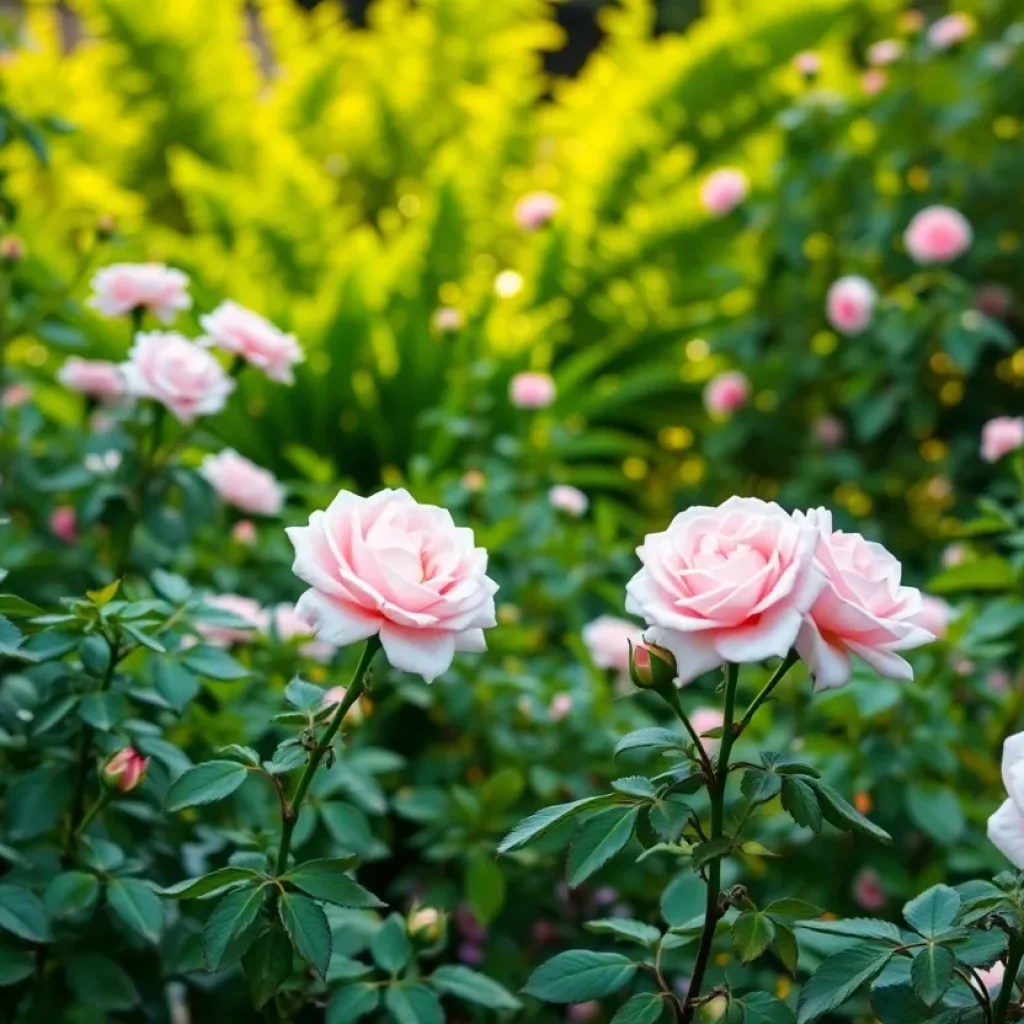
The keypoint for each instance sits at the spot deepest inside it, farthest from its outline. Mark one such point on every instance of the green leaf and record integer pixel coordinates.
(103, 711)
(625, 929)
(174, 683)
(801, 803)
(485, 887)
(22, 914)
(411, 1003)
(683, 900)
(844, 815)
(988, 573)
(936, 811)
(544, 820)
(17, 607)
(348, 826)
(751, 933)
(208, 885)
(933, 911)
(898, 1004)
(760, 786)
(932, 973)
(652, 740)
(304, 696)
(390, 945)
(643, 1008)
(307, 927)
(704, 853)
(637, 786)
(204, 784)
(267, 966)
(794, 908)
(786, 948)
(16, 963)
(579, 975)
(135, 903)
(245, 755)
(230, 925)
(350, 1003)
(71, 893)
(856, 928)
(101, 984)
(344, 968)
(668, 817)
(598, 840)
(463, 983)
(327, 880)
(174, 588)
(761, 1008)
(838, 978)
(213, 663)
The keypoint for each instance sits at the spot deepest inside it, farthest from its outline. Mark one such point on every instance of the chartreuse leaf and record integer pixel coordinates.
(208, 885)
(751, 933)
(579, 975)
(933, 911)
(22, 914)
(267, 965)
(350, 1003)
(644, 1008)
(328, 880)
(390, 945)
(205, 784)
(839, 977)
(598, 840)
(844, 815)
(306, 924)
(544, 820)
(463, 983)
(932, 973)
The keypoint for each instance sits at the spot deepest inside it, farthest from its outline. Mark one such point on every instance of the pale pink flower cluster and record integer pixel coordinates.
(950, 31)
(747, 581)
(121, 288)
(568, 499)
(723, 190)
(938, 234)
(388, 566)
(850, 304)
(608, 638)
(1000, 436)
(243, 484)
(536, 209)
(93, 378)
(529, 390)
(249, 336)
(885, 51)
(727, 393)
(1006, 825)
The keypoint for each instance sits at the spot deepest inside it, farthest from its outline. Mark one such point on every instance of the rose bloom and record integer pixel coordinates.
(335, 695)
(244, 608)
(123, 287)
(807, 62)
(560, 706)
(242, 483)
(288, 625)
(867, 890)
(536, 209)
(885, 51)
(873, 81)
(935, 616)
(947, 32)
(474, 480)
(726, 393)
(251, 337)
(954, 554)
(1006, 825)
(448, 319)
(389, 566)
(723, 190)
(608, 638)
(992, 978)
(850, 304)
(938, 234)
(182, 377)
(64, 524)
(531, 390)
(244, 532)
(829, 430)
(93, 378)
(568, 499)
(125, 770)
(726, 584)
(705, 720)
(1000, 436)
(863, 609)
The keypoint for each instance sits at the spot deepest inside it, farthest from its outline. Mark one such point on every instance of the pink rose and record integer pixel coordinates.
(15, 395)
(947, 32)
(1000, 436)
(862, 609)
(182, 377)
(126, 770)
(64, 524)
(608, 639)
(885, 51)
(850, 304)
(536, 209)
(1006, 825)
(242, 483)
(954, 554)
(92, 377)
(244, 608)
(448, 319)
(992, 978)
(807, 62)
(726, 584)
(829, 430)
(935, 616)
(937, 234)
(560, 706)
(723, 190)
(387, 565)
(244, 532)
(868, 891)
(288, 625)
(873, 81)
(335, 695)
(707, 720)
(531, 390)
(726, 393)
(251, 337)
(123, 287)
(570, 500)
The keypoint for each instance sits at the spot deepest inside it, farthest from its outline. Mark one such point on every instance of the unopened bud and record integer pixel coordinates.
(425, 923)
(12, 248)
(651, 667)
(125, 771)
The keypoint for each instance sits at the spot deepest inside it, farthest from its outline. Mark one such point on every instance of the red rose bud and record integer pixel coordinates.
(651, 667)
(125, 770)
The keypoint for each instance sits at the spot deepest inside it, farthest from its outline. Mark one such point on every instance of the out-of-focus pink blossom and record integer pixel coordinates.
(530, 390)
(15, 395)
(119, 289)
(955, 554)
(64, 524)
(998, 681)
(829, 430)
(244, 532)
(706, 720)
(808, 63)
(726, 393)
(245, 608)
(252, 337)
(873, 81)
(560, 706)
(473, 480)
(581, 1013)
(93, 378)
(994, 300)
(885, 51)
(448, 320)
(570, 500)
(536, 209)
(938, 234)
(950, 31)
(868, 891)
(723, 190)
(471, 954)
(850, 304)
(1000, 436)
(608, 638)
(935, 615)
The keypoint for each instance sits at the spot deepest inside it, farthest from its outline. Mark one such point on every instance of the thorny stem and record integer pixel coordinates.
(766, 691)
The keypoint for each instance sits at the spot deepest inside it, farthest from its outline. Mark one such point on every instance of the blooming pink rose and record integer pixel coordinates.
(448, 319)
(568, 499)
(244, 532)
(92, 377)
(15, 395)
(536, 209)
(243, 484)
(868, 891)
(885, 51)
(938, 234)
(1006, 825)
(531, 390)
(723, 190)
(123, 287)
(992, 978)
(807, 62)
(994, 300)
(251, 337)
(873, 81)
(181, 376)
(850, 304)
(388, 565)
(726, 584)
(829, 430)
(608, 638)
(64, 524)
(935, 615)
(1000, 436)
(125, 770)
(707, 720)
(560, 706)
(288, 625)
(947, 32)
(244, 608)
(726, 393)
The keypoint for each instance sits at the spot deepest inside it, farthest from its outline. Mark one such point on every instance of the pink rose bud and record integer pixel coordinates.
(723, 190)
(244, 608)
(536, 209)
(242, 483)
(561, 705)
(650, 666)
(570, 500)
(249, 336)
(608, 638)
(886, 51)
(448, 320)
(829, 430)
(934, 616)
(707, 720)
(531, 390)
(950, 31)
(995, 301)
(12, 249)
(873, 81)
(868, 891)
(1000, 436)
(938, 234)
(581, 1013)
(808, 63)
(64, 524)
(425, 923)
(15, 395)
(184, 378)
(125, 770)
(244, 532)
(727, 393)
(954, 554)
(93, 378)
(850, 304)
(119, 289)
